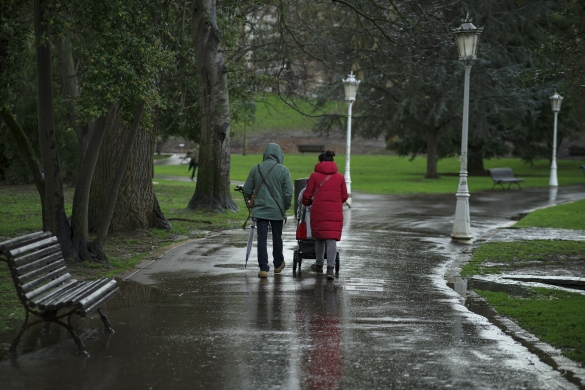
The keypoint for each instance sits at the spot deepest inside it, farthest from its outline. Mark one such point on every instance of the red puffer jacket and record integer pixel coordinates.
(327, 207)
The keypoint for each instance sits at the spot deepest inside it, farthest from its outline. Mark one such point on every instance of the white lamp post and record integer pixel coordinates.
(351, 87)
(467, 40)
(555, 101)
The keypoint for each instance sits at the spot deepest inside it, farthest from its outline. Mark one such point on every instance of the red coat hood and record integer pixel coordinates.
(326, 167)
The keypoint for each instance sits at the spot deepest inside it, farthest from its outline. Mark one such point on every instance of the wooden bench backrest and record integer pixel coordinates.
(36, 264)
(501, 173)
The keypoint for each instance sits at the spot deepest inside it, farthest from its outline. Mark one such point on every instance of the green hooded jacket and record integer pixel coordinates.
(279, 181)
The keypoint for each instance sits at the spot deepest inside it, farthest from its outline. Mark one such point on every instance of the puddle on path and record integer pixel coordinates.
(132, 294)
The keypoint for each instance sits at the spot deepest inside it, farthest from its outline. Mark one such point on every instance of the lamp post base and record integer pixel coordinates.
(462, 227)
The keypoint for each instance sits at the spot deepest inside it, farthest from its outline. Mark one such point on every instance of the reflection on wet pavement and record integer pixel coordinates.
(194, 319)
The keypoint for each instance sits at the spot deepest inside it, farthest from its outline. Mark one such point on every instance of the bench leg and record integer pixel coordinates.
(46, 327)
(80, 345)
(25, 326)
(106, 322)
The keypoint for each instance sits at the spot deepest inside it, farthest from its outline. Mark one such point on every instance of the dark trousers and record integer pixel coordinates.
(194, 166)
(277, 256)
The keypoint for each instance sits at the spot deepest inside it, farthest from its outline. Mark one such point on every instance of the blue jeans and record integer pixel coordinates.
(277, 256)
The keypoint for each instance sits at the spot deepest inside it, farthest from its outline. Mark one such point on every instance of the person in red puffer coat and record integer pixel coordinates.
(326, 192)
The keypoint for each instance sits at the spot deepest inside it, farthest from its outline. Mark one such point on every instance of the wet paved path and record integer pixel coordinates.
(195, 319)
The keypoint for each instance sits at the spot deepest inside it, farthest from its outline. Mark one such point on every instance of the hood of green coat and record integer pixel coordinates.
(273, 152)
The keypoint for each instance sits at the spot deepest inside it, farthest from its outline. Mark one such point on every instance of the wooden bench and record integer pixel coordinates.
(501, 176)
(576, 151)
(311, 148)
(47, 290)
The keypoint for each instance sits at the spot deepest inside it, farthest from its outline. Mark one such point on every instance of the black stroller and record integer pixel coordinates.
(306, 248)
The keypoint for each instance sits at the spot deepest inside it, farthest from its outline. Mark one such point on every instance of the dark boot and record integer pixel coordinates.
(317, 268)
(330, 273)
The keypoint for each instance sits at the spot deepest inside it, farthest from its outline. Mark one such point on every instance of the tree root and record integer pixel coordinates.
(191, 220)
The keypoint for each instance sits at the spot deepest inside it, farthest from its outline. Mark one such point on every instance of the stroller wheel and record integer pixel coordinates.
(337, 262)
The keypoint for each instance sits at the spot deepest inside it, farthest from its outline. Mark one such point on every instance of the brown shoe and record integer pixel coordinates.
(280, 268)
(262, 274)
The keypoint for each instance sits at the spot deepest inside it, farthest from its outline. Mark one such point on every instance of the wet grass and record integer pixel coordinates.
(385, 174)
(555, 317)
(501, 257)
(565, 216)
(272, 114)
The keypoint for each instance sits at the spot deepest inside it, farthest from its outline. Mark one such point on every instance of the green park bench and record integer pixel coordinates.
(47, 290)
(502, 176)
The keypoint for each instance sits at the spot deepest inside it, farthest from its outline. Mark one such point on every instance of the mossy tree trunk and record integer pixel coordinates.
(213, 179)
(136, 206)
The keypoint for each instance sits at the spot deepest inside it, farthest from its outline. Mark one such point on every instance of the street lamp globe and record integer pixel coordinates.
(555, 102)
(467, 39)
(351, 86)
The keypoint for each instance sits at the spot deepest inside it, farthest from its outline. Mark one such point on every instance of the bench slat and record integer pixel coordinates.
(47, 286)
(65, 298)
(27, 277)
(75, 296)
(5, 246)
(23, 260)
(96, 305)
(97, 293)
(16, 252)
(40, 281)
(40, 301)
(38, 263)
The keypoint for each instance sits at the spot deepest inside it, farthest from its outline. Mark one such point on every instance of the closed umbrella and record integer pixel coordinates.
(250, 240)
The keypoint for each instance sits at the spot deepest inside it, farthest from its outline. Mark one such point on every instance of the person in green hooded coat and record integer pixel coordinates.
(272, 197)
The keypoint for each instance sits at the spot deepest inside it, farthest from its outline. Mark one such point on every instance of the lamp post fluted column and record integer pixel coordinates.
(462, 225)
(350, 85)
(555, 101)
(347, 153)
(553, 182)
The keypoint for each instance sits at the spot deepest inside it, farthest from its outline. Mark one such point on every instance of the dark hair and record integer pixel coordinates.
(327, 156)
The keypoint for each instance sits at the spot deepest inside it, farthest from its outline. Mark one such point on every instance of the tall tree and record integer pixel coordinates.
(213, 180)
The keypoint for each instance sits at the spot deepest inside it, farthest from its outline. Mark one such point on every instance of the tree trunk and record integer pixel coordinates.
(432, 154)
(213, 179)
(136, 206)
(117, 180)
(56, 218)
(86, 170)
(33, 163)
(475, 162)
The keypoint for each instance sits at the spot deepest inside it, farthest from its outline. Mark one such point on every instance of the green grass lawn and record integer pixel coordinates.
(502, 257)
(384, 174)
(272, 114)
(565, 216)
(555, 317)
